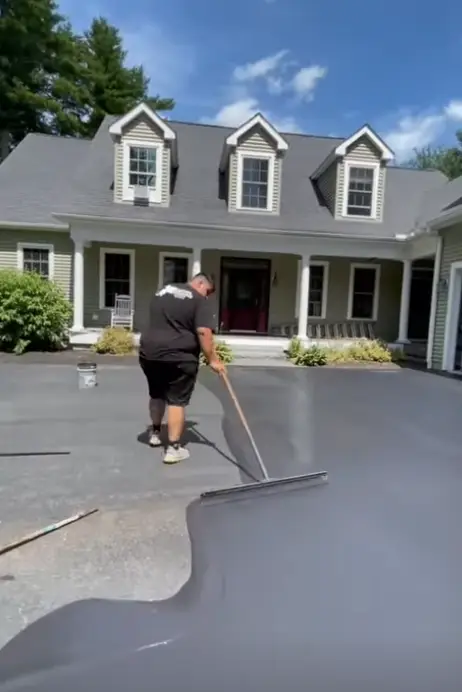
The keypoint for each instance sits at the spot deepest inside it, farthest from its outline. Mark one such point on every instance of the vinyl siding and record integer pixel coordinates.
(362, 152)
(63, 253)
(146, 281)
(283, 294)
(141, 130)
(451, 252)
(327, 184)
(255, 142)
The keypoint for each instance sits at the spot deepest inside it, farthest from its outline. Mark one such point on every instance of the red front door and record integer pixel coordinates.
(244, 295)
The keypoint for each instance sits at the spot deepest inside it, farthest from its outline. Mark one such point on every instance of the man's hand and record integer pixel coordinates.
(217, 366)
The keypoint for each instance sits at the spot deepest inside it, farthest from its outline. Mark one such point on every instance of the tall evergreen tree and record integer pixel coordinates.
(33, 38)
(113, 88)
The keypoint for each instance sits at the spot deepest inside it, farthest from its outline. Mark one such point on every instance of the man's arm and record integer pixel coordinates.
(204, 328)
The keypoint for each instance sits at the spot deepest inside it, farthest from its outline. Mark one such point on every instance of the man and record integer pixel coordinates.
(181, 324)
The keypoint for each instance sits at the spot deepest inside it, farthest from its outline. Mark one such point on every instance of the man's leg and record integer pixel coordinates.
(154, 374)
(179, 393)
(156, 412)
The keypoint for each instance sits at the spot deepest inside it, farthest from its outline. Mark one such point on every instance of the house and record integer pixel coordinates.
(315, 236)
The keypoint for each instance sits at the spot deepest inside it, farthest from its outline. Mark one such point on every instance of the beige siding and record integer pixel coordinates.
(327, 184)
(256, 141)
(62, 247)
(363, 152)
(146, 281)
(283, 294)
(451, 252)
(142, 130)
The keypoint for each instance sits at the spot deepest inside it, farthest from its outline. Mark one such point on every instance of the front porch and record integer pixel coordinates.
(268, 290)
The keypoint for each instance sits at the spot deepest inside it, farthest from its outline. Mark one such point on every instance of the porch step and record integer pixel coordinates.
(256, 352)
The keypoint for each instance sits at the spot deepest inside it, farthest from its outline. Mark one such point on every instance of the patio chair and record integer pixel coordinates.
(122, 312)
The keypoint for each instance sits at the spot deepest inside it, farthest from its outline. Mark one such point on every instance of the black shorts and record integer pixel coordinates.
(171, 382)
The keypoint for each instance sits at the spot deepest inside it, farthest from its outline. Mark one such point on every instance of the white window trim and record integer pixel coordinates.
(325, 288)
(375, 189)
(375, 305)
(36, 246)
(271, 157)
(155, 195)
(163, 255)
(452, 316)
(103, 251)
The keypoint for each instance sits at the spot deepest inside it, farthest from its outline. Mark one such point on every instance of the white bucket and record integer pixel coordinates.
(87, 375)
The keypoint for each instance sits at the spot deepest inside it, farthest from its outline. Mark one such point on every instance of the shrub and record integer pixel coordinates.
(313, 356)
(115, 341)
(363, 351)
(223, 351)
(294, 349)
(369, 352)
(34, 313)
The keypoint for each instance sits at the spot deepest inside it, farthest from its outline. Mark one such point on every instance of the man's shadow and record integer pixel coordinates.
(192, 435)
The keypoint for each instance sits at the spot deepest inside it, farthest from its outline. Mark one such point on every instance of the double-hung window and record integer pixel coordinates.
(255, 177)
(364, 292)
(360, 192)
(36, 258)
(116, 275)
(174, 268)
(143, 167)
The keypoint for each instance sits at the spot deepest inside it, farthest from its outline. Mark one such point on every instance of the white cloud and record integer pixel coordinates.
(306, 80)
(413, 132)
(236, 113)
(454, 110)
(259, 68)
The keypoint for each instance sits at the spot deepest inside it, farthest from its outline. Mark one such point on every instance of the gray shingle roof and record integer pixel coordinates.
(46, 175)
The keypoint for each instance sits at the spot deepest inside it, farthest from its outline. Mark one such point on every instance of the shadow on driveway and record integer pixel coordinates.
(193, 436)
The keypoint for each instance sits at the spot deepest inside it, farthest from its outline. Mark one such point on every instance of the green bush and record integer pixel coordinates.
(363, 351)
(115, 341)
(313, 356)
(34, 313)
(223, 351)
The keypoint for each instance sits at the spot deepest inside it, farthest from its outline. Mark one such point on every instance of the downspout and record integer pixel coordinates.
(434, 301)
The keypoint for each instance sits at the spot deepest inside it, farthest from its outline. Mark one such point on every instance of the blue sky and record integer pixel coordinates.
(320, 68)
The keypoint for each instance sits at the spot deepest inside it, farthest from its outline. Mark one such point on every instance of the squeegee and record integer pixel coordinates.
(266, 483)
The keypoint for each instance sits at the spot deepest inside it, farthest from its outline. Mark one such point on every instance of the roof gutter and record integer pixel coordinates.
(216, 227)
(35, 226)
(446, 219)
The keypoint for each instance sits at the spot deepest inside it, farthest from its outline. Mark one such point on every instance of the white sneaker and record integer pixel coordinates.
(154, 439)
(175, 454)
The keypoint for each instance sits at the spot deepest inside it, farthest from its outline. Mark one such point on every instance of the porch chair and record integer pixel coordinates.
(122, 312)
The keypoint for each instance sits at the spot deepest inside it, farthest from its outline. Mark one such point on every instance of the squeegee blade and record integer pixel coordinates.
(273, 485)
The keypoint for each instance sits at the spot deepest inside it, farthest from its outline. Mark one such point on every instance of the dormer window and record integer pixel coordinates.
(255, 181)
(360, 198)
(142, 165)
(142, 171)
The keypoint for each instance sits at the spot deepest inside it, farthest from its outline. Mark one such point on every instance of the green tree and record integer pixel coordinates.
(113, 87)
(32, 35)
(447, 160)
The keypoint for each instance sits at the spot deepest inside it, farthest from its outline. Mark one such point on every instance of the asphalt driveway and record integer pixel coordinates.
(395, 433)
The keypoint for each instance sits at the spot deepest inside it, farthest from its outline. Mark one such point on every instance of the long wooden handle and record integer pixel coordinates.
(43, 532)
(245, 425)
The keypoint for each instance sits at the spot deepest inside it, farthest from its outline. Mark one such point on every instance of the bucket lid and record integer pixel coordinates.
(86, 366)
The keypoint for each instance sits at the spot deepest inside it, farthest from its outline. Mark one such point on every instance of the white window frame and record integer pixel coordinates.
(375, 187)
(165, 254)
(325, 288)
(155, 194)
(375, 303)
(271, 157)
(36, 246)
(103, 251)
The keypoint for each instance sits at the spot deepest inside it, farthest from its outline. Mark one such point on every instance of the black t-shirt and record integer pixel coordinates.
(176, 312)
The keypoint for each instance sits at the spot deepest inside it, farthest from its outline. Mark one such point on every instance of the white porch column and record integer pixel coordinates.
(78, 286)
(196, 261)
(404, 306)
(303, 297)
